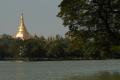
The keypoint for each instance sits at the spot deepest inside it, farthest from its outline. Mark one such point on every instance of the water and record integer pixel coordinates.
(59, 70)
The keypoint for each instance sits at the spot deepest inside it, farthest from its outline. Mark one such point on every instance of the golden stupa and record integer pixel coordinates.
(22, 31)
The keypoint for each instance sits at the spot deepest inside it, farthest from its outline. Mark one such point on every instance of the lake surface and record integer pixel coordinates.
(59, 70)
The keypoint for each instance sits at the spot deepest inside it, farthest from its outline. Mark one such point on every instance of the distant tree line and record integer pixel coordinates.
(52, 48)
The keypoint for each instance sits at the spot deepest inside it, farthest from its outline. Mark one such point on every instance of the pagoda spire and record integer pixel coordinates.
(22, 24)
(22, 31)
(21, 19)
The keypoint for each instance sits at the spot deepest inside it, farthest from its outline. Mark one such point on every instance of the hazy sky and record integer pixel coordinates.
(39, 16)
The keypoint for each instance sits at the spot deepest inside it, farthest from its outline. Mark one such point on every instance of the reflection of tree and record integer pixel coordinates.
(21, 50)
(98, 76)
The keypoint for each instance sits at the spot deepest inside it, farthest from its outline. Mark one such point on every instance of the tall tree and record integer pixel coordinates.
(99, 19)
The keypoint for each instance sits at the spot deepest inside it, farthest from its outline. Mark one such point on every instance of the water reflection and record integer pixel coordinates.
(60, 70)
(97, 76)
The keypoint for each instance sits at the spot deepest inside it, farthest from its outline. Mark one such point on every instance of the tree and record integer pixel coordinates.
(99, 19)
(56, 47)
(35, 48)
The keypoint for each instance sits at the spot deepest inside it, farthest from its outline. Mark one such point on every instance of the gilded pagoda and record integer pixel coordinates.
(22, 31)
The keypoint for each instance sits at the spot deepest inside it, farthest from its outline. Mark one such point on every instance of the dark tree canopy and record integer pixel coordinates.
(94, 19)
(96, 16)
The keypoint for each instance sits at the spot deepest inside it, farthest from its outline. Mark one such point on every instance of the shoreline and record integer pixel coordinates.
(50, 59)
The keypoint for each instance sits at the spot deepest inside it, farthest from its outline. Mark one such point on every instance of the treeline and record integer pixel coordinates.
(52, 48)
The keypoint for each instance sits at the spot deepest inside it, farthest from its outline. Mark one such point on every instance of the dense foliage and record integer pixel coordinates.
(52, 48)
(97, 22)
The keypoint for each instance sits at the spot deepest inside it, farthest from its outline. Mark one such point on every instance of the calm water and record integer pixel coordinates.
(59, 70)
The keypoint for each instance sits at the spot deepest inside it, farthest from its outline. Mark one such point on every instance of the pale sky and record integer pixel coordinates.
(39, 16)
